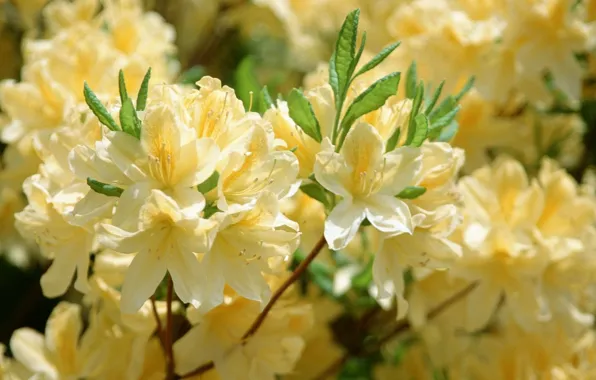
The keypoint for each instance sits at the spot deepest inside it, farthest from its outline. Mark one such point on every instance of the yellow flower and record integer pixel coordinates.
(216, 336)
(247, 245)
(544, 36)
(55, 356)
(253, 169)
(367, 179)
(167, 235)
(46, 219)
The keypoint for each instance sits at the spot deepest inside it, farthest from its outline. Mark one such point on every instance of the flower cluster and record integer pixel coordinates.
(374, 223)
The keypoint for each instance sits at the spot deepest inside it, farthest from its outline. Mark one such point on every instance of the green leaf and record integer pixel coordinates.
(104, 188)
(317, 192)
(245, 81)
(302, 113)
(371, 99)
(209, 184)
(467, 87)
(122, 87)
(192, 75)
(420, 131)
(393, 140)
(334, 79)
(98, 109)
(378, 59)
(449, 132)
(210, 209)
(443, 116)
(362, 280)
(345, 51)
(412, 127)
(411, 81)
(358, 55)
(411, 192)
(129, 120)
(265, 101)
(435, 98)
(143, 92)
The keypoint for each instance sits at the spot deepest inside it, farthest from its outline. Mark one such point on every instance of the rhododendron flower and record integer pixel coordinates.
(368, 180)
(166, 237)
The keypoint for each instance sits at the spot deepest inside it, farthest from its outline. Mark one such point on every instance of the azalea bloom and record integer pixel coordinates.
(216, 336)
(368, 180)
(247, 245)
(167, 235)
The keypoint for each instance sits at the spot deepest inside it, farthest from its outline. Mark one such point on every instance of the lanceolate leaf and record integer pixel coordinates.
(302, 113)
(358, 55)
(420, 132)
(129, 120)
(265, 101)
(449, 132)
(122, 87)
(104, 188)
(143, 92)
(345, 51)
(378, 59)
(411, 192)
(371, 99)
(393, 140)
(99, 109)
(411, 81)
(415, 110)
(209, 184)
(467, 87)
(435, 98)
(317, 192)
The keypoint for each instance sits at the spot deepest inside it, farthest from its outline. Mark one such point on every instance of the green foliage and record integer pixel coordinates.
(144, 92)
(302, 113)
(411, 192)
(435, 98)
(414, 134)
(420, 130)
(210, 210)
(343, 57)
(377, 59)
(371, 99)
(317, 192)
(209, 184)
(265, 101)
(122, 87)
(129, 121)
(192, 75)
(98, 109)
(411, 81)
(363, 279)
(245, 81)
(104, 188)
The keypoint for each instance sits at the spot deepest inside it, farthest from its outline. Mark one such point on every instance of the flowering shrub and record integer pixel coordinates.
(406, 206)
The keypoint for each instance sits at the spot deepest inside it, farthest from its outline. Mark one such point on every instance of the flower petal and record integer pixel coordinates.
(343, 223)
(144, 274)
(389, 214)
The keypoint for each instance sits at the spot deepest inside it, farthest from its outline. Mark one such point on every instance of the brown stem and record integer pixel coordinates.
(160, 332)
(281, 290)
(402, 326)
(276, 296)
(169, 331)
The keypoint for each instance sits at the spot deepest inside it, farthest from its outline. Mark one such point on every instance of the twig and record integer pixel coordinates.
(169, 327)
(281, 290)
(160, 331)
(276, 296)
(403, 325)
